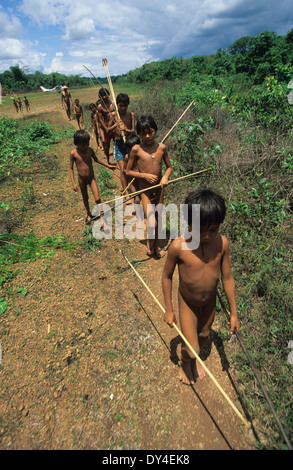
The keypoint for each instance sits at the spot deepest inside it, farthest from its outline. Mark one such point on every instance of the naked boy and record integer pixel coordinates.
(199, 272)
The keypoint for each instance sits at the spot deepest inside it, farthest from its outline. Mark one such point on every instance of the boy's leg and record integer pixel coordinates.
(151, 221)
(96, 194)
(195, 325)
(154, 198)
(85, 197)
(188, 323)
(107, 151)
(123, 180)
(95, 191)
(159, 200)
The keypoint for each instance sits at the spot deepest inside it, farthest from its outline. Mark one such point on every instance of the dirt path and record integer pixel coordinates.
(87, 361)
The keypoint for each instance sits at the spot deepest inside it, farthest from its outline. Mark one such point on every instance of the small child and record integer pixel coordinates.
(199, 270)
(95, 125)
(105, 119)
(77, 109)
(131, 140)
(149, 157)
(19, 104)
(27, 104)
(124, 127)
(15, 104)
(66, 101)
(82, 156)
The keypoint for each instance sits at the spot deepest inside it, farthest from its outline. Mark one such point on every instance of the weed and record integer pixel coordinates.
(89, 242)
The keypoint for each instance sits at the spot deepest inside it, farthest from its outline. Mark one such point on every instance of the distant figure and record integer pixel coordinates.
(95, 125)
(27, 104)
(19, 104)
(77, 109)
(66, 101)
(15, 104)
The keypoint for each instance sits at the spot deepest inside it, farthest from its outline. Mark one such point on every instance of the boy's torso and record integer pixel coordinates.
(199, 271)
(149, 160)
(84, 163)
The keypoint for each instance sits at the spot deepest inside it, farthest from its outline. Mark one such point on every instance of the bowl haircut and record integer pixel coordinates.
(212, 206)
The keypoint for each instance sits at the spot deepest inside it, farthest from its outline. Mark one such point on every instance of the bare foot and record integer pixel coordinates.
(200, 371)
(186, 371)
(160, 252)
(149, 249)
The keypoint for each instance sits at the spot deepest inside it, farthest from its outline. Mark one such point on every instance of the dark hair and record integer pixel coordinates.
(212, 206)
(81, 136)
(103, 92)
(123, 98)
(131, 140)
(146, 122)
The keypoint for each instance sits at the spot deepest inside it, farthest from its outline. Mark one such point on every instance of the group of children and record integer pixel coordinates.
(140, 158)
(18, 104)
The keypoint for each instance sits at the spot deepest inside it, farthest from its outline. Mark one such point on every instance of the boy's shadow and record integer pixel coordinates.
(204, 354)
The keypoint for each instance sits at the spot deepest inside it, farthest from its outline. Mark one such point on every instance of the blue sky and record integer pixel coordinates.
(62, 36)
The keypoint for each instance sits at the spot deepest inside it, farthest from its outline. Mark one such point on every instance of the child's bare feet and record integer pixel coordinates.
(190, 370)
(185, 372)
(200, 371)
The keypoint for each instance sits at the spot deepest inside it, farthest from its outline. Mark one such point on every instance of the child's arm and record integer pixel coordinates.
(136, 174)
(167, 276)
(123, 126)
(229, 286)
(105, 126)
(74, 185)
(96, 159)
(164, 181)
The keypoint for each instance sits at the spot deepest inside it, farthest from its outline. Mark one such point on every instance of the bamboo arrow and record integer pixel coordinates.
(105, 65)
(184, 112)
(190, 347)
(102, 86)
(131, 195)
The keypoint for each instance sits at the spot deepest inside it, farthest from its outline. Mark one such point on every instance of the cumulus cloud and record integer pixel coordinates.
(10, 26)
(13, 49)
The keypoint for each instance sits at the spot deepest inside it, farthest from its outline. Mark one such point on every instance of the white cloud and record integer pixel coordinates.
(46, 12)
(10, 26)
